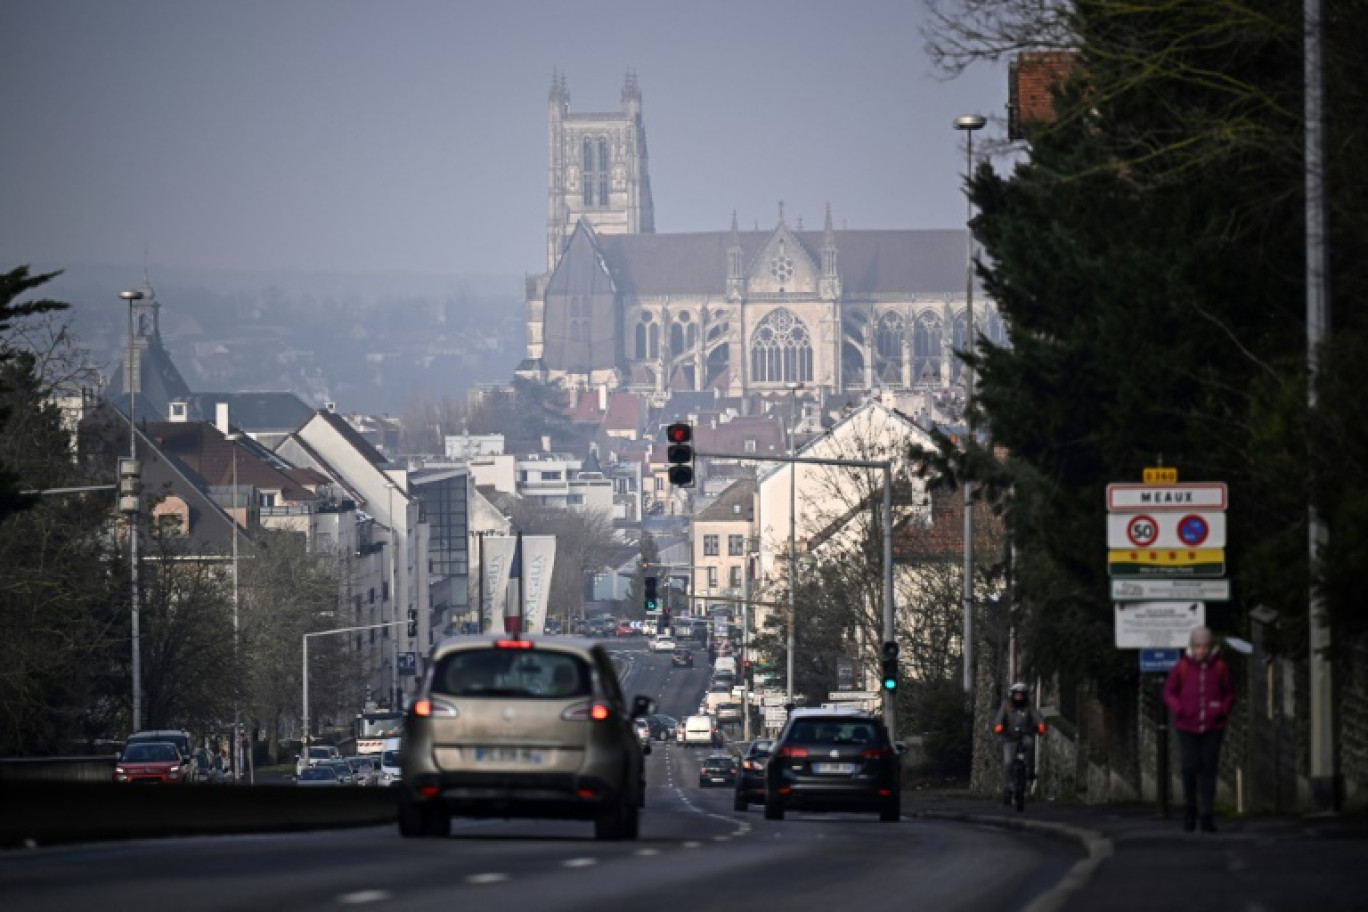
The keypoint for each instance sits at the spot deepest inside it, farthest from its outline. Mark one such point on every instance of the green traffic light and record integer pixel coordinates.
(890, 684)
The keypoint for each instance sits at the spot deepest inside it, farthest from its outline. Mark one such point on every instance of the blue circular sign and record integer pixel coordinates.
(1193, 530)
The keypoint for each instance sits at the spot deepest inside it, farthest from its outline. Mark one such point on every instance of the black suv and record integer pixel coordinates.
(833, 760)
(682, 658)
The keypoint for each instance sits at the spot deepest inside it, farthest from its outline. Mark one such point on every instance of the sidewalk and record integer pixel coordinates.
(1137, 861)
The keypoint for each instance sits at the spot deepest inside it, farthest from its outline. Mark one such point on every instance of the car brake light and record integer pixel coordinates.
(598, 712)
(422, 707)
(875, 753)
(587, 794)
(793, 752)
(512, 644)
(428, 791)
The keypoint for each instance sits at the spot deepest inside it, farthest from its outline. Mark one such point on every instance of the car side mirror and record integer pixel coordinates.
(642, 706)
(900, 747)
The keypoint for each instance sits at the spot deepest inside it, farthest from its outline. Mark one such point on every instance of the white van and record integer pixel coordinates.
(389, 762)
(725, 664)
(700, 730)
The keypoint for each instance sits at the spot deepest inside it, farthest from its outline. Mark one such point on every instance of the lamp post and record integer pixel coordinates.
(969, 124)
(237, 671)
(793, 388)
(129, 368)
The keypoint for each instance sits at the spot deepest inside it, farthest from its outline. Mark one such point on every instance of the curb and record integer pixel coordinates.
(1097, 846)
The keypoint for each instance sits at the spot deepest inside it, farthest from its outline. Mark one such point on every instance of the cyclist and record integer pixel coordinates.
(1017, 720)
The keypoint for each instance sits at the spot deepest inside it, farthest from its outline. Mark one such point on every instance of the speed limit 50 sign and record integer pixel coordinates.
(1167, 529)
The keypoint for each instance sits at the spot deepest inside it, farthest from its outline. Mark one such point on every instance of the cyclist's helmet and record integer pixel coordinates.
(1020, 687)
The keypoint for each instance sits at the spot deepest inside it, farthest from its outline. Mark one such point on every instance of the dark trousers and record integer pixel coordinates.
(1200, 756)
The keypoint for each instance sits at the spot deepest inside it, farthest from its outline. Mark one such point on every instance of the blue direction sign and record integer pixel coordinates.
(1159, 659)
(408, 664)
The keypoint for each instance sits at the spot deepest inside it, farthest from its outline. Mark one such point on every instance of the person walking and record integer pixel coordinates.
(1199, 695)
(1017, 720)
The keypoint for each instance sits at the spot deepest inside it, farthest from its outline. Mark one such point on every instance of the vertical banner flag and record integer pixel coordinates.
(498, 567)
(538, 560)
(513, 604)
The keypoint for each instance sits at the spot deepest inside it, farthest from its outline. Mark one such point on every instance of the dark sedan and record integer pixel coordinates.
(682, 658)
(718, 769)
(750, 779)
(662, 727)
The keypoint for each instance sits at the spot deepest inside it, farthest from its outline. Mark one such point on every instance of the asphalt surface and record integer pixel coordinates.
(695, 852)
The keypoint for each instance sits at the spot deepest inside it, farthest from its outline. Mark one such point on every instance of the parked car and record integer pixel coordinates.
(663, 644)
(524, 727)
(151, 761)
(830, 759)
(718, 769)
(319, 776)
(750, 778)
(682, 658)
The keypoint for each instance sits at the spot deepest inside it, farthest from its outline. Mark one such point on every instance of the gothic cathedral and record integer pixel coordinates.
(732, 312)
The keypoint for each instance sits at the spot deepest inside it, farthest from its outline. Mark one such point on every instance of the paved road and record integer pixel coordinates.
(695, 853)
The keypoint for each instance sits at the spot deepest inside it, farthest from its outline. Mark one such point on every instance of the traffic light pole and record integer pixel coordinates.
(886, 466)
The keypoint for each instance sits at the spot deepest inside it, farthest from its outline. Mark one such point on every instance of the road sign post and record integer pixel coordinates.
(1166, 557)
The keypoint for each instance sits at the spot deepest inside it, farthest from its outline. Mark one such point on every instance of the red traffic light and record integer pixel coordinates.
(679, 433)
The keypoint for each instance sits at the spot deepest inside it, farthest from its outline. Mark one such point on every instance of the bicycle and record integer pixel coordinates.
(1019, 776)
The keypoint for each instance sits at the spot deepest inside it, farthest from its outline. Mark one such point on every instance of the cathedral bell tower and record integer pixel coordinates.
(597, 169)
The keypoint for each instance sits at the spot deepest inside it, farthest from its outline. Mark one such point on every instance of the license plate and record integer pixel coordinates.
(717, 779)
(508, 755)
(834, 769)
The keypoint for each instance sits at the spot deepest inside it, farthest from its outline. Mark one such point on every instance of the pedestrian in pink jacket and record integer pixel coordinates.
(1199, 695)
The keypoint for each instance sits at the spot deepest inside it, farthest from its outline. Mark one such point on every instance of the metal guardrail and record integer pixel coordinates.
(57, 769)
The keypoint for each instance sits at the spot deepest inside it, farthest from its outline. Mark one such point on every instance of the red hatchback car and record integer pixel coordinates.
(151, 761)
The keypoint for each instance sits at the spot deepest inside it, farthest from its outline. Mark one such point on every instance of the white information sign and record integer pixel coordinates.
(772, 699)
(841, 695)
(1157, 625)
(1167, 529)
(1142, 589)
(775, 715)
(1205, 495)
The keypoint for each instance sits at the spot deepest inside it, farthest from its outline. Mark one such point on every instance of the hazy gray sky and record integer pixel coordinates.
(410, 135)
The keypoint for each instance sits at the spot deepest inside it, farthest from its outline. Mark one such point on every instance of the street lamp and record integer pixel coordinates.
(969, 124)
(237, 671)
(793, 388)
(129, 367)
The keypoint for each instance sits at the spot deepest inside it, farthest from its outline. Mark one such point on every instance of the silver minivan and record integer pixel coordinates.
(522, 727)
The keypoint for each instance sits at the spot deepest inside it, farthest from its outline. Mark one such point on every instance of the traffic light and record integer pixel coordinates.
(652, 595)
(679, 453)
(413, 622)
(889, 678)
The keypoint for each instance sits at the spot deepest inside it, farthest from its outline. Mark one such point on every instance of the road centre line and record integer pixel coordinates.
(579, 862)
(492, 877)
(360, 897)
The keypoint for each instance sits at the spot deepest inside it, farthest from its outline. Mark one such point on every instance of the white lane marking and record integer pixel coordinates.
(647, 852)
(490, 878)
(361, 897)
(721, 839)
(579, 862)
(692, 845)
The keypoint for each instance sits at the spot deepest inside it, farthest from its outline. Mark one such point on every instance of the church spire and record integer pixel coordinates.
(736, 282)
(830, 285)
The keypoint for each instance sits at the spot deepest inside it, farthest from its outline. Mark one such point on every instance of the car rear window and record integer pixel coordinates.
(512, 673)
(834, 731)
(720, 763)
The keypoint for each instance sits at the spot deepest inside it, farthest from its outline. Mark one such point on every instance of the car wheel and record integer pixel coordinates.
(611, 822)
(740, 804)
(891, 812)
(411, 819)
(774, 808)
